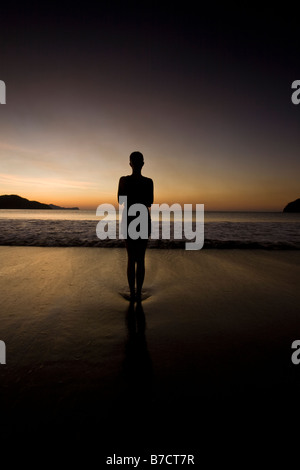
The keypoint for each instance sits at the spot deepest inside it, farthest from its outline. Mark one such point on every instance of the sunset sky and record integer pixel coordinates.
(204, 94)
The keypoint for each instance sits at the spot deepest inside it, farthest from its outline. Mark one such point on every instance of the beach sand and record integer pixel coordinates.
(206, 356)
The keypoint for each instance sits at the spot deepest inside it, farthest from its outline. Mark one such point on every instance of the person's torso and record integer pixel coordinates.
(138, 190)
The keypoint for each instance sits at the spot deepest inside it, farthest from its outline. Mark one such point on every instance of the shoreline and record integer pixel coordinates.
(217, 235)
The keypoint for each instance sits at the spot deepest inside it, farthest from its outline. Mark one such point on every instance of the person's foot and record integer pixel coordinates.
(129, 297)
(132, 296)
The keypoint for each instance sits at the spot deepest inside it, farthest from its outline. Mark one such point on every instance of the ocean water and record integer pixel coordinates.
(268, 230)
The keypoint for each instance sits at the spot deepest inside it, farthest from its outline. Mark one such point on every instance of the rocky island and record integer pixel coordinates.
(13, 201)
(293, 206)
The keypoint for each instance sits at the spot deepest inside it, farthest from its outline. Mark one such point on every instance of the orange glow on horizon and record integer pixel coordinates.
(88, 185)
(212, 201)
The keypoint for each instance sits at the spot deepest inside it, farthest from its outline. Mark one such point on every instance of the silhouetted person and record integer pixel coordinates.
(138, 189)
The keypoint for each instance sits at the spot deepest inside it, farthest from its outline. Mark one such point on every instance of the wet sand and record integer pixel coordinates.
(206, 355)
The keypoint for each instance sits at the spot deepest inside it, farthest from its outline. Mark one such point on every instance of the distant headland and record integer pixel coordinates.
(13, 201)
(292, 206)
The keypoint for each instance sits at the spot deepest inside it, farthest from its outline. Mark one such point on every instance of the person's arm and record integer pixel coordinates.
(150, 196)
(121, 188)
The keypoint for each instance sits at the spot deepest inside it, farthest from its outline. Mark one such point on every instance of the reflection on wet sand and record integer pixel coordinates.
(137, 366)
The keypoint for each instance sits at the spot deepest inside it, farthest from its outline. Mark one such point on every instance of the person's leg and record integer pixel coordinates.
(140, 269)
(131, 269)
(140, 275)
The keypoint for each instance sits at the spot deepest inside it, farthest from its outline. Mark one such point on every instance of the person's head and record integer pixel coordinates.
(136, 160)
